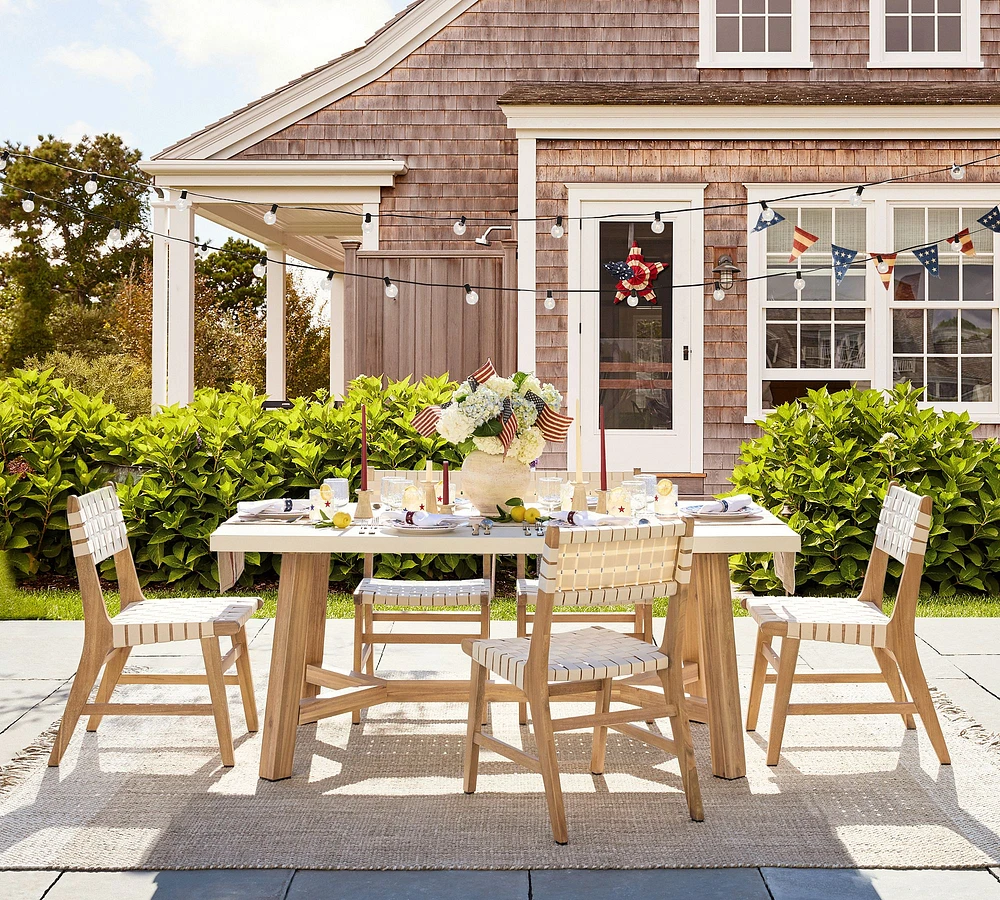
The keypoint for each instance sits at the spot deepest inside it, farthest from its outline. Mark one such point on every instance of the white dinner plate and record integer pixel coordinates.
(403, 528)
(723, 516)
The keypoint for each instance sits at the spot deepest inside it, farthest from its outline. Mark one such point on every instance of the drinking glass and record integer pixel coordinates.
(341, 491)
(550, 491)
(636, 491)
(391, 492)
(650, 482)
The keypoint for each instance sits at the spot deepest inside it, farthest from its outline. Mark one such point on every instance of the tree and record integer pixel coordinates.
(228, 272)
(60, 254)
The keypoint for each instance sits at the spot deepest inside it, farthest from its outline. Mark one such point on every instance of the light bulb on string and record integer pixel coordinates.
(856, 199)
(367, 225)
(158, 191)
(182, 202)
(260, 270)
(28, 203)
(633, 298)
(799, 283)
(271, 216)
(90, 185)
(459, 226)
(658, 225)
(4, 159)
(550, 302)
(766, 213)
(471, 297)
(718, 295)
(557, 230)
(957, 172)
(881, 265)
(204, 247)
(391, 290)
(115, 239)
(327, 283)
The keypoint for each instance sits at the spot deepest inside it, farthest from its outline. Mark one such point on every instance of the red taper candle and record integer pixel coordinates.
(604, 456)
(364, 447)
(444, 477)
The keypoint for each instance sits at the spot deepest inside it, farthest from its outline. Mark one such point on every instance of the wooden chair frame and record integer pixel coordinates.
(899, 655)
(538, 691)
(99, 650)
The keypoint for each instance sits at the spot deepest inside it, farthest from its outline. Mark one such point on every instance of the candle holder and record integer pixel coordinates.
(602, 501)
(430, 497)
(364, 508)
(580, 497)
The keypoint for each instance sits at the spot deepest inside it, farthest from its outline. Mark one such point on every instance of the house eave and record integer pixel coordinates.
(290, 173)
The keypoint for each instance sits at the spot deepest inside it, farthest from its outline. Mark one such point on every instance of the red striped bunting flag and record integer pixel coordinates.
(964, 241)
(484, 373)
(425, 421)
(553, 425)
(802, 241)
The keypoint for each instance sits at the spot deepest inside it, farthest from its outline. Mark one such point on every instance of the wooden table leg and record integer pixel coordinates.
(304, 584)
(315, 639)
(717, 665)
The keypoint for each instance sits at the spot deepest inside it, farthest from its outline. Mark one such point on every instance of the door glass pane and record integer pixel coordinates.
(977, 379)
(636, 343)
(942, 379)
(977, 331)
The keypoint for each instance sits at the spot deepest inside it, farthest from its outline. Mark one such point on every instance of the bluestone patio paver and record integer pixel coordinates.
(961, 636)
(213, 884)
(25, 885)
(880, 884)
(436, 885)
(703, 884)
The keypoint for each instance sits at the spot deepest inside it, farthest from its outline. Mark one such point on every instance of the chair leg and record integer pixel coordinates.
(890, 672)
(522, 631)
(112, 672)
(477, 710)
(757, 681)
(359, 638)
(913, 675)
(369, 636)
(782, 693)
(83, 683)
(545, 739)
(680, 727)
(600, 740)
(217, 691)
(246, 680)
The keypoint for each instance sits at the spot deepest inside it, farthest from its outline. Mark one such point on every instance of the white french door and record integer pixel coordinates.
(641, 364)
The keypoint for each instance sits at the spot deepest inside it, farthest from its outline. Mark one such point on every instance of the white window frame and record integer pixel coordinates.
(970, 56)
(879, 201)
(710, 58)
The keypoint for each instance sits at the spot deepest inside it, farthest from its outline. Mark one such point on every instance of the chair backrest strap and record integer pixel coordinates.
(903, 527)
(97, 529)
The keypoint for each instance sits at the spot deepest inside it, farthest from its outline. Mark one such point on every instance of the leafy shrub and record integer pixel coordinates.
(826, 462)
(192, 464)
(121, 380)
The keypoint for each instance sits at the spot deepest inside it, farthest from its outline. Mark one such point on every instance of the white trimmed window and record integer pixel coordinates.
(754, 34)
(941, 334)
(924, 34)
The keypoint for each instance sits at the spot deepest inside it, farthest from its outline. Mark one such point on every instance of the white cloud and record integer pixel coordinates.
(117, 64)
(277, 40)
(79, 129)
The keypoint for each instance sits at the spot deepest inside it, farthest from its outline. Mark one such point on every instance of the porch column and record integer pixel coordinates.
(274, 369)
(180, 308)
(527, 196)
(337, 337)
(159, 354)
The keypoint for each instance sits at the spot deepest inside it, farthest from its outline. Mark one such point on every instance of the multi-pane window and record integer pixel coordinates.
(753, 26)
(942, 328)
(923, 26)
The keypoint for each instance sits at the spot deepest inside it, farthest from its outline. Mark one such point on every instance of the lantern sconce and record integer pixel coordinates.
(725, 272)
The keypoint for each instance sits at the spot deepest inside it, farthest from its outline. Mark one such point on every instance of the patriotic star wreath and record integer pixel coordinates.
(635, 274)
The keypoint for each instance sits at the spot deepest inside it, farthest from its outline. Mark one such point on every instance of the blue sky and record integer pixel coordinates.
(156, 70)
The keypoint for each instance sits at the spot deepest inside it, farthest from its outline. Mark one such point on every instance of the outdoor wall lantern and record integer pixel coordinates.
(725, 272)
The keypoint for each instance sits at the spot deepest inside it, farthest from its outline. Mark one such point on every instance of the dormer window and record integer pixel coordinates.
(925, 34)
(754, 34)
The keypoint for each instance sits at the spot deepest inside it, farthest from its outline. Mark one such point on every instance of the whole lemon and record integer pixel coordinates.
(341, 519)
(517, 513)
(531, 515)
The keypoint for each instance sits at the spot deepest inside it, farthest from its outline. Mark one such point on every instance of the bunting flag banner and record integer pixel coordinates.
(991, 220)
(964, 241)
(425, 421)
(762, 223)
(929, 258)
(553, 425)
(802, 241)
(508, 421)
(842, 259)
(483, 373)
(640, 278)
(890, 260)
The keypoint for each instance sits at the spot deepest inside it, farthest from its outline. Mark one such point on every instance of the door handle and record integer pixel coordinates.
(687, 352)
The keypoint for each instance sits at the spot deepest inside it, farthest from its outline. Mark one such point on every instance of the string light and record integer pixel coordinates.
(718, 294)
(327, 283)
(4, 159)
(557, 230)
(28, 203)
(115, 239)
(260, 270)
(90, 185)
(182, 201)
(957, 172)
(158, 191)
(881, 265)
(391, 291)
(204, 247)
(550, 302)
(799, 283)
(856, 199)
(459, 226)
(367, 225)
(271, 216)
(633, 298)
(658, 225)
(471, 297)
(766, 213)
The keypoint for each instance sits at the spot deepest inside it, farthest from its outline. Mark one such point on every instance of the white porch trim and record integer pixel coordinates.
(527, 239)
(274, 367)
(180, 308)
(160, 210)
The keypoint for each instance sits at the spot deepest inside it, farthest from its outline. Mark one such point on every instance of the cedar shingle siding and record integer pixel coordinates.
(438, 109)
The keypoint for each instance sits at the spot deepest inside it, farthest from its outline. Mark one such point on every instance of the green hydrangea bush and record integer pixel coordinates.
(825, 463)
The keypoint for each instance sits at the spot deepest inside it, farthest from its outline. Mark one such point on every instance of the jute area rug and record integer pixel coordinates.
(151, 794)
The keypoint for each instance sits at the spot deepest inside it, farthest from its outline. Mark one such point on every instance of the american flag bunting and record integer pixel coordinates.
(762, 223)
(991, 220)
(964, 241)
(842, 259)
(802, 241)
(930, 259)
(425, 421)
(890, 260)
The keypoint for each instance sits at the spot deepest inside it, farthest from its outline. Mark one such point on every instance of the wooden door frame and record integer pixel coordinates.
(657, 195)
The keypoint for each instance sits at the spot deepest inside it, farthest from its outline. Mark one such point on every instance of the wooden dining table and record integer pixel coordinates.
(297, 673)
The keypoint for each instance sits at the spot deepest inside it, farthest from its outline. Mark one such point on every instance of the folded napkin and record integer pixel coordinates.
(406, 517)
(736, 504)
(270, 507)
(589, 519)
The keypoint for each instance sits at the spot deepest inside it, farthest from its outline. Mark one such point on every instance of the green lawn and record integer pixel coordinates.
(65, 604)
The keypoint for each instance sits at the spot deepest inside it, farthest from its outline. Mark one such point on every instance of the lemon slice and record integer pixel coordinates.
(325, 493)
(664, 487)
(412, 499)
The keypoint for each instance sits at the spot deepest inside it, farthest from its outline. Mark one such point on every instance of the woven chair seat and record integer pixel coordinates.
(583, 655)
(527, 587)
(182, 619)
(838, 620)
(389, 592)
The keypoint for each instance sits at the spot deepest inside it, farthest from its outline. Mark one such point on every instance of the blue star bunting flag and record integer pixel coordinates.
(928, 256)
(842, 259)
(762, 224)
(991, 220)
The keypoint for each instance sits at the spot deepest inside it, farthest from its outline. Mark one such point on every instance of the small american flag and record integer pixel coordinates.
(553, 425)
(508, 421)
(535, 400)
(802, 241)
(425, 421)
(964, 241)
(484, 373)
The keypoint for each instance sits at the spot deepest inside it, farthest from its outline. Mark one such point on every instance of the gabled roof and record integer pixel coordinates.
(394, 41)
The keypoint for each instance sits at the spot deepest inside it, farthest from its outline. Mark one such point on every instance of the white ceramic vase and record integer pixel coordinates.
(490, 481)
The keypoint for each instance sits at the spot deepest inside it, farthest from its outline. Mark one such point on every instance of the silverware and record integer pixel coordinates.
(487, 526)
(475, 528)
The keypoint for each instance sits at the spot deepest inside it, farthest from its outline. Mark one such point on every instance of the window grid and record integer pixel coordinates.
(923, 26)
(753, 26)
